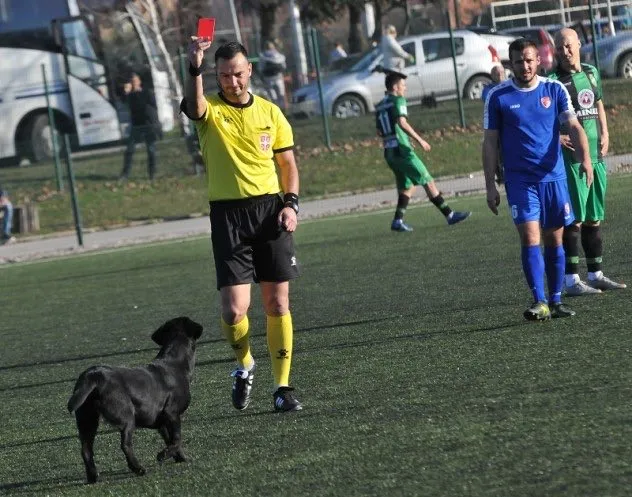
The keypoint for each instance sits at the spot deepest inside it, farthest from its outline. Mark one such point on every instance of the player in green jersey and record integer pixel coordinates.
(584, 86)
(392, 125)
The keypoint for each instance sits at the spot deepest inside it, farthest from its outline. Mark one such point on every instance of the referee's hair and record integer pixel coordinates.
(392, 78)
(520, 44)
(228, 50)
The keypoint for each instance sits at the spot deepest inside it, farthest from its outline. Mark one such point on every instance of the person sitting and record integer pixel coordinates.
(337, 53)
(6, 209)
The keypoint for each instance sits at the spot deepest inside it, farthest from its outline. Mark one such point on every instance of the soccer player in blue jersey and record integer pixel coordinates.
(524, 113)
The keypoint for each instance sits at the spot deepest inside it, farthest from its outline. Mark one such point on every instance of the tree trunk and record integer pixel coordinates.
(267, 20)
(356, 40)
(377, 10)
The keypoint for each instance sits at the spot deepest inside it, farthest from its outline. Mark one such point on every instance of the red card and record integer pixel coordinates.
(206, 28)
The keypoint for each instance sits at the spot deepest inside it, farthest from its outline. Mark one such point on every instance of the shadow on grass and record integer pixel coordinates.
(63, 438)
(35, 385)
(61, 482)
(113, 272)
(417, 336)
(324, 327)
(91, 356)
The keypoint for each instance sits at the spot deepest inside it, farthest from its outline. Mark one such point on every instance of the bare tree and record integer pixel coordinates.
(154, 25)
(267, 11)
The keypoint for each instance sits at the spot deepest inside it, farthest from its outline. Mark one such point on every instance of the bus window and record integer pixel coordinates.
(77, 41)
(26, 23)
(81, 58)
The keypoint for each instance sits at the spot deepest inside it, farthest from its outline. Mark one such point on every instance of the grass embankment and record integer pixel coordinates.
(355, 164)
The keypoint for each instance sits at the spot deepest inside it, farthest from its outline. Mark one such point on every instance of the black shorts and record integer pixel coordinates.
(248, 243)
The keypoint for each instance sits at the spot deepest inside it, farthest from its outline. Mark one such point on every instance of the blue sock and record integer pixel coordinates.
(554, 263)
(533, 267)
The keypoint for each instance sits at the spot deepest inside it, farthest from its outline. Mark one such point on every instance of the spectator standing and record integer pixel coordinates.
(583, 83)
(241, 137)
(391, 119)
(145, 125)
(394, 57)
(337, 53)
(524, 114)
(6, 208)
(498, 76)
(272, 66)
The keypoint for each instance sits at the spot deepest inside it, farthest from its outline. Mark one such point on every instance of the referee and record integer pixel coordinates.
(253, 210)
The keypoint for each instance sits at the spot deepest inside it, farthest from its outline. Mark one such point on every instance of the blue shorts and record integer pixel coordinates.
(549, 203)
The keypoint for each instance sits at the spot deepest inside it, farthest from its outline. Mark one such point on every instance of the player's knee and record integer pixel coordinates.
(277, 305)
(234, 314)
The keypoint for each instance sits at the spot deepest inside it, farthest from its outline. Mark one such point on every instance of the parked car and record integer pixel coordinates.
(356, 90)
(615, 55)
(543, 40)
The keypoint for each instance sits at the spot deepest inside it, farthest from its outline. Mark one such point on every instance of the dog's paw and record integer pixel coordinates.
(162, 455)
(169, 452)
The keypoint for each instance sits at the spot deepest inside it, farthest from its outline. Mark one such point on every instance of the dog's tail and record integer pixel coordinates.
(83, 388)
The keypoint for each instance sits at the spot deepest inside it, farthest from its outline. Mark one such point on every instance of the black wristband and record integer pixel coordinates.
(291, 200)
(194, 71)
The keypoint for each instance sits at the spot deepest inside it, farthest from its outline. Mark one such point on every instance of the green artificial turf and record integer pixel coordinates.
(417, 371)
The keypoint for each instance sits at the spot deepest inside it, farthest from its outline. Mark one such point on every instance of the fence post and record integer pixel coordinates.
(459, 95)
(314, 48)
(53, 133)
(73, 193)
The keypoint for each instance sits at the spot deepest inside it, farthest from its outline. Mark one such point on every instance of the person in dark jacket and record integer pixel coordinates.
(145, 125)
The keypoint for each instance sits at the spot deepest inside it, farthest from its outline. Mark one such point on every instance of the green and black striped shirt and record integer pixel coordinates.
(584, 88)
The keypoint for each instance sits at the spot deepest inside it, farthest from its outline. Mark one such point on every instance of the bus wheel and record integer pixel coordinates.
(41, 141)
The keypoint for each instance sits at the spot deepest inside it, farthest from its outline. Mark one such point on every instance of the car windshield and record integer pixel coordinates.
(365, 61)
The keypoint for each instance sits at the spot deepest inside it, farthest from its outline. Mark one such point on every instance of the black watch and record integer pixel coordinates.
(291, 200)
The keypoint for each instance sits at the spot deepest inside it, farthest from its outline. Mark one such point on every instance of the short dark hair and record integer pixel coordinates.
(228, 50)
(392, 78)
(520, 44)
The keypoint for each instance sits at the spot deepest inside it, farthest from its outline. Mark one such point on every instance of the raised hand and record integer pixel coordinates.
(197, 47)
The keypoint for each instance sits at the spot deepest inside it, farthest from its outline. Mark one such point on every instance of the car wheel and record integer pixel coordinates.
(474, 87)
(349, 106)
(625, 66)
(40, 140)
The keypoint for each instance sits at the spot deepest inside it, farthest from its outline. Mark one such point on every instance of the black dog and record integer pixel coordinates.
(145, 397)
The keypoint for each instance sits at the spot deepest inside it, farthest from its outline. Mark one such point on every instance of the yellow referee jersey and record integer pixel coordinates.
(238, 142)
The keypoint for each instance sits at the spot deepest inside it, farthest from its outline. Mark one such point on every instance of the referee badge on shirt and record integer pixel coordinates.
(546, 102)
(265, 142)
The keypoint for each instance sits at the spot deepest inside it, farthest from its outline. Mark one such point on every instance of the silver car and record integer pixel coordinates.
(615, 55)
(356, 90)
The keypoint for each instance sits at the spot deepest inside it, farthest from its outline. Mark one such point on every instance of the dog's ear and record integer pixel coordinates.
(162, 335)
(183, 324)
(193, 329)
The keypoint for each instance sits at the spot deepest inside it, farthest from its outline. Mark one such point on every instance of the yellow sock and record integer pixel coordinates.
(280, 334)
(237, 335)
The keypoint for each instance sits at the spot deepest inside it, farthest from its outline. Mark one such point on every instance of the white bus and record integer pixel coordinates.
(83, 80)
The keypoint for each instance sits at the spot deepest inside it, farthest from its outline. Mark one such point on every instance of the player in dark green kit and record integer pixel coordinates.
(392, 125)
(584, 86)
